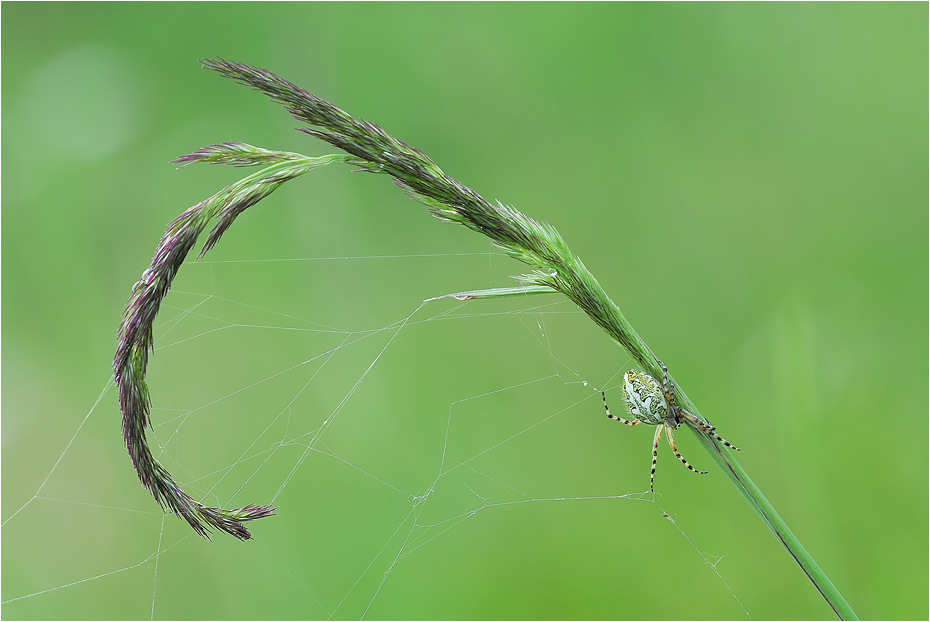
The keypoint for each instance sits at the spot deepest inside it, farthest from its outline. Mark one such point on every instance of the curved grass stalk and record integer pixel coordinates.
(135, 331)
(537, 244)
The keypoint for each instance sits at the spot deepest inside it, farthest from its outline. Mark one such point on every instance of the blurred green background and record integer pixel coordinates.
(749, 182)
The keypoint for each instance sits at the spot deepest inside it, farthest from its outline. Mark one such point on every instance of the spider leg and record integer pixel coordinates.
(609, 416)
(671, 442)
(668, 386)
(655, 456)
(695, 422)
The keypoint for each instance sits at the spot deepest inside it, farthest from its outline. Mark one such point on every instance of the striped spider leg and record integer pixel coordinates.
(654, 404)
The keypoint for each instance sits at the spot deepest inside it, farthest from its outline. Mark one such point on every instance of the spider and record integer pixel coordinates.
(655, 404)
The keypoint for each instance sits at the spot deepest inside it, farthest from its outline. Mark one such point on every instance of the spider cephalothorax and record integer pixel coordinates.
(654, 404)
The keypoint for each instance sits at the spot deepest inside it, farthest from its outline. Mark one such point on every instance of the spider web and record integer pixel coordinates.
(443, 459)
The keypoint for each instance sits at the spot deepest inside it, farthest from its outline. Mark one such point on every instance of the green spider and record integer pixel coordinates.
(654, 404)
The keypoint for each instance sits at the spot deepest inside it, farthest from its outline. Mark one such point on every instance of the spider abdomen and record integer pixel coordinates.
(644, 397)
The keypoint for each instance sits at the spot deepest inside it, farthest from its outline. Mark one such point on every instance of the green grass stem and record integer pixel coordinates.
(498, 292)
(553, 268)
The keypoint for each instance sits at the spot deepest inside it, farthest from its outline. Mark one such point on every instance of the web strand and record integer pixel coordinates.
(297, 422)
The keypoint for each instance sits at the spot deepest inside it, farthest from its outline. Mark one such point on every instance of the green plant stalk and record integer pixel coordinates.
(498, 292)
(738, 476)
(537, 244)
